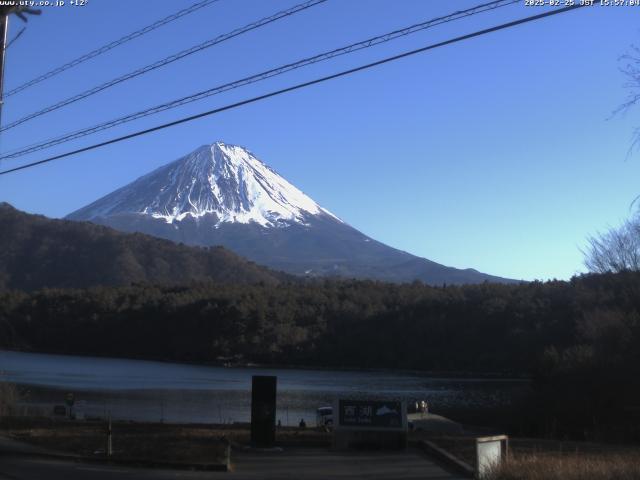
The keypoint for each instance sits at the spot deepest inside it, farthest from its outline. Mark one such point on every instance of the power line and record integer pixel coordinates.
(109, 46)
(16, 37)
(298, 86)
(167, 60)
(370, 42)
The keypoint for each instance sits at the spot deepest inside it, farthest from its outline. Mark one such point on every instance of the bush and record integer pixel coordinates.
(9, 397)
(570, 467)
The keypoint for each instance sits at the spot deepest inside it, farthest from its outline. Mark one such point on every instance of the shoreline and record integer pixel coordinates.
(453, 375)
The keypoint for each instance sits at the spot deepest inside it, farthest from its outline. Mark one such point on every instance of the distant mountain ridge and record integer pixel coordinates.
(37, 252)
(222, 194)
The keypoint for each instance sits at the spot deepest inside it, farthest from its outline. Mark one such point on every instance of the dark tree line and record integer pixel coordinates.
(508, 329)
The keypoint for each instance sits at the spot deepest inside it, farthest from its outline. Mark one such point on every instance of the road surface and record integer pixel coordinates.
(311, 464)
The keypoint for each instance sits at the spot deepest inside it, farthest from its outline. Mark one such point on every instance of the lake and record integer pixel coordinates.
(170, 392)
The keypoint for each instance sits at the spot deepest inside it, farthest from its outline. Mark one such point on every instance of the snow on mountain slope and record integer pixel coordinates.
(222, 180)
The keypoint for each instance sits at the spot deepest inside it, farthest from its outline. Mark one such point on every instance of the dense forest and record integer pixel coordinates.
(37, 252)
(578, 340)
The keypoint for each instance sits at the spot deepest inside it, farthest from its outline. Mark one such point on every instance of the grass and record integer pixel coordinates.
(570, 466)
(547, 459)
(9, 397)
(148, 441)
(160, 443)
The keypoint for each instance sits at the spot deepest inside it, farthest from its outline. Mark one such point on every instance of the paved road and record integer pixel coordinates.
(10, 445)
(308, 464)
(434, 423)
(320, 464)
(27, 468)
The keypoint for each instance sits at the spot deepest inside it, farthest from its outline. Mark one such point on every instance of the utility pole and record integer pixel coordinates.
(109, 449)
(4, 30)
(20, 11)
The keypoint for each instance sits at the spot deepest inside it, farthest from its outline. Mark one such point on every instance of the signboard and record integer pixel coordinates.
(490, 452)
(263, 411)
(379, 424)
(374, 414)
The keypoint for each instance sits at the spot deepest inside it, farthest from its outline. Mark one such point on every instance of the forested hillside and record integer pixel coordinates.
(37, 252)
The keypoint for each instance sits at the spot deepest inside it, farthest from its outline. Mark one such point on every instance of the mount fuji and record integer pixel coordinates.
(221, 194)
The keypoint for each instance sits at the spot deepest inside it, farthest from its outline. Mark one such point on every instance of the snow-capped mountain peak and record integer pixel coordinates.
(223, 195)
(219, 179)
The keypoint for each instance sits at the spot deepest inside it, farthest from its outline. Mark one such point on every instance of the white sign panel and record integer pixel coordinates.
(490, 452)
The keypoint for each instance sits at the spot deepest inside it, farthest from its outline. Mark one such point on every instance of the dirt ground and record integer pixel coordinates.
(150, 441)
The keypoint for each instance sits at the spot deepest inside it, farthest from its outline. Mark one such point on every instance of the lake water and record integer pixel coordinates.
(170, 392)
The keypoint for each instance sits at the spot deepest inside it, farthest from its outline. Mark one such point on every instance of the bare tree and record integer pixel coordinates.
(616, 250)
(631, 70)
(18, 10)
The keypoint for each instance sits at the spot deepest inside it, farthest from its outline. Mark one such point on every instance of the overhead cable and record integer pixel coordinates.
(555, 11)
(109, 46)
(165, 61)
(370, 42)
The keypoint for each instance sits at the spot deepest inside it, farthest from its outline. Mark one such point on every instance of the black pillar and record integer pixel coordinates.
(263, 411)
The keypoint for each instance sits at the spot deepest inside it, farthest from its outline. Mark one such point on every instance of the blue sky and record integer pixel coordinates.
(497, 153)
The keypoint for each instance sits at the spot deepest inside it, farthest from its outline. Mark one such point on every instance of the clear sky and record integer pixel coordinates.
(497, 153)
